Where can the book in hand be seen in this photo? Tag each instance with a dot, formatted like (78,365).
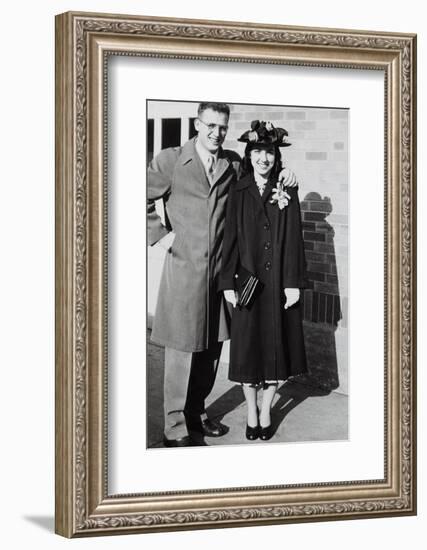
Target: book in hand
(246,283)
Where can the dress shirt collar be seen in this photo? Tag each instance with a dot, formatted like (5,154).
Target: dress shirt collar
(204,154)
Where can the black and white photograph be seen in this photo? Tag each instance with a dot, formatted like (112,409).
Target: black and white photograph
(244,211)
(213,236)
(247,273)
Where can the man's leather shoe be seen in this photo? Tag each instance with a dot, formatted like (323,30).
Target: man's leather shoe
(206,427)
(211,428)
(180,442)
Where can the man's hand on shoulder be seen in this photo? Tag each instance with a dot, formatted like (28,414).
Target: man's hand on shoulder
(288,178)
(167,241)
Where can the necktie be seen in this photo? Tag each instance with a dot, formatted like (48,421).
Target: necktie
(210,165)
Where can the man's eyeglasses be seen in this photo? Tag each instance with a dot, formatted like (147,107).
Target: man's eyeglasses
(212,127)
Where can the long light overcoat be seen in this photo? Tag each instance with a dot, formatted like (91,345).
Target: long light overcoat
(190,312)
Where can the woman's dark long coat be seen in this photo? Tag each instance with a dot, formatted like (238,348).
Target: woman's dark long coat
(266,340)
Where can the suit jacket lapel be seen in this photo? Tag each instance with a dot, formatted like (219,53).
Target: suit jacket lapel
(222,166)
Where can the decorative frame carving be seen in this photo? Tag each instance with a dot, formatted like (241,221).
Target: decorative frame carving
(83,42)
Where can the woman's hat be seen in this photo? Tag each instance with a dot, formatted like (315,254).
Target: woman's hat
(264,133)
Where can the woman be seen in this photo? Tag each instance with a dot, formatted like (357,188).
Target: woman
(263,269)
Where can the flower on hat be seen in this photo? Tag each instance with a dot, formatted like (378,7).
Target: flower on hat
(253,137)
(265,133)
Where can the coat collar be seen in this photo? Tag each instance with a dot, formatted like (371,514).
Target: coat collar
(189,156)
(244,183)
(248,183)
(188,152)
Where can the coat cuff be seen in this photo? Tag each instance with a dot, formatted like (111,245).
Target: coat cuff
(295,283)
(155,234)
(225,284)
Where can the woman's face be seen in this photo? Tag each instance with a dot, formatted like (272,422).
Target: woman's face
(262,160)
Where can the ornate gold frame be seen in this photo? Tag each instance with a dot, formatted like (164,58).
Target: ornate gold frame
(83,42)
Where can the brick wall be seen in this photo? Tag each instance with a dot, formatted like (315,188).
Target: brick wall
(318,156)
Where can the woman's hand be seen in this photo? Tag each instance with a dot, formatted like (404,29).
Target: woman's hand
(288,178)
(230,296)
(292,296)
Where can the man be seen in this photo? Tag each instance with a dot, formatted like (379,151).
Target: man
(191,318)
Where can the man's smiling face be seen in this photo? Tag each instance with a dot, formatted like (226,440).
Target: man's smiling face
(212,128)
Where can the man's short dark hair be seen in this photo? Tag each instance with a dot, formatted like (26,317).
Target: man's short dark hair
(217,107)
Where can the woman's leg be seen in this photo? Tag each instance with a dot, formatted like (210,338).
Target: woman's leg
(250,392)
(267,399)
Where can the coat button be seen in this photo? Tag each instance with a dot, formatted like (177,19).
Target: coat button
(267,266)
(267,245)
(266,226)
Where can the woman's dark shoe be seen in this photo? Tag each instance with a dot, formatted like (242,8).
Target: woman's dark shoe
(252,433)
(266,433)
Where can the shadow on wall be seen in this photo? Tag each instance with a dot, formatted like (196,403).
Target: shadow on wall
(321,300)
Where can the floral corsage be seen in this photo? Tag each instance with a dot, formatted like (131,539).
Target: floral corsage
(280,196)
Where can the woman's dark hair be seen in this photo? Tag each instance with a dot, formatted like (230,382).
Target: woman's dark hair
(247,167)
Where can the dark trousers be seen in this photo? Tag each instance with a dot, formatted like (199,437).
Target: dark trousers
(189,379)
